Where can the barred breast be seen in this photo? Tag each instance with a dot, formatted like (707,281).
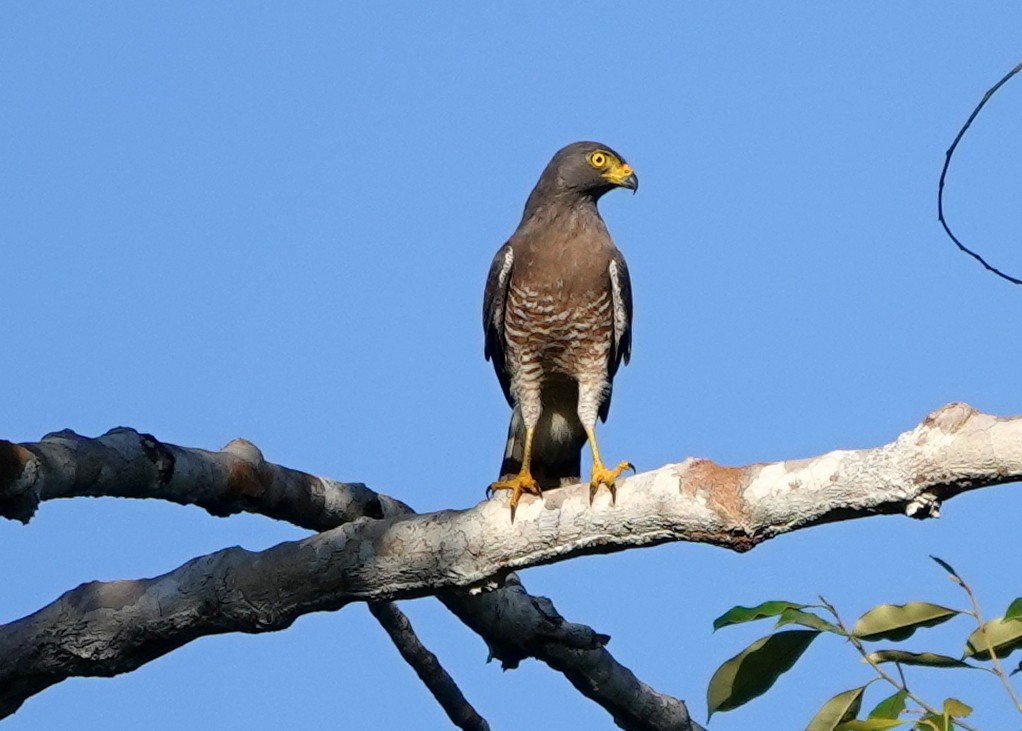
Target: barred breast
(550,334)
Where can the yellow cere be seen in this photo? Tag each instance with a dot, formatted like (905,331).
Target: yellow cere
(618,172)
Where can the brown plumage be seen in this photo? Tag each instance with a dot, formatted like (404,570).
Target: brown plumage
(557,312)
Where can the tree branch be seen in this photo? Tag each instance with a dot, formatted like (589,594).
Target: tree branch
(531,627)
(947,164)
(106,628)
(127,464)
(427,667)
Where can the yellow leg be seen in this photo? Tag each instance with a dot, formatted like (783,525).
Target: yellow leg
(523,481)
(601,475)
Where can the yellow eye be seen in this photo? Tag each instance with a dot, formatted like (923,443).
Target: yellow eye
(598,159)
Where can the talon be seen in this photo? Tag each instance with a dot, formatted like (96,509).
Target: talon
(522,482)
(602,476)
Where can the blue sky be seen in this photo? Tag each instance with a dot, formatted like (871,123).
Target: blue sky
(274,221)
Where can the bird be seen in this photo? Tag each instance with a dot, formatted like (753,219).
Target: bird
(557,316)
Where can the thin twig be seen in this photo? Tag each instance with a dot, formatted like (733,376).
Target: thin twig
(900,685)
(427,667)
(997,669)
(947,163)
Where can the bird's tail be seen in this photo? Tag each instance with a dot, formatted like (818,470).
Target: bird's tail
(556,447)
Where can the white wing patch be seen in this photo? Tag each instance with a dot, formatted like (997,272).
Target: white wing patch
(502,275)
(509,259)
(620,315)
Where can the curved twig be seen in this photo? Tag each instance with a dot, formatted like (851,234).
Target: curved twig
(947,163)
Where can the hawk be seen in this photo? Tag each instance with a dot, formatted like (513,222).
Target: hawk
(557,313)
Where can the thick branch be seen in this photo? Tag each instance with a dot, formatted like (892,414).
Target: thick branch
(128,464)
(125,463)
(120,625)
(531,627)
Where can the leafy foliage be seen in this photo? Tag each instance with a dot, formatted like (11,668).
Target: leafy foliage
(898,622)
(756,668)
(926,659)
(738,615)
(808,619)
(946,720)
(890,707)
(1001,635)
(838,710)
(751,672)
(871,724)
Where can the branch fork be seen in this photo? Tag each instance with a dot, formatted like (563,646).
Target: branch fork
(374,548)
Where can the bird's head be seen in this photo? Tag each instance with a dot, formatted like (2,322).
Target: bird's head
(589,168)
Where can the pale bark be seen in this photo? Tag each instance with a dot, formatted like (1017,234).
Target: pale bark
(125,463)
(105,628)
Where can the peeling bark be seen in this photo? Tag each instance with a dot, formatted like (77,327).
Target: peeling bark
(126,463)
(106,628)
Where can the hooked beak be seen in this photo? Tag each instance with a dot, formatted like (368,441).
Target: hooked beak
(622,175)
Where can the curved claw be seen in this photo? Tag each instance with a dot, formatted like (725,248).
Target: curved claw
(602,476)
(521,483)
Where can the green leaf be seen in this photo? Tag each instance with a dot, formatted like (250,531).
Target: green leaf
(899,621)
(737,615)
(890,707)
(808,619)
(928,659)
(870,724)
(953,708)
(947,567)
(1014,610)
(751,672)
(934,723)
(842,707)
(1003,635)
(956,709)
